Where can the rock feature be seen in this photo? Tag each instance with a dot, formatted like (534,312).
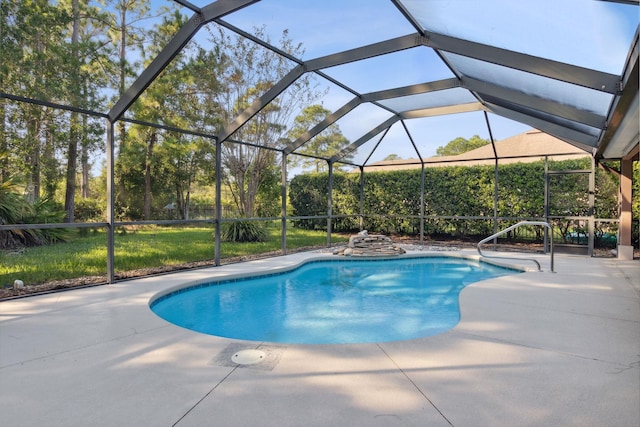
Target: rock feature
(369,245)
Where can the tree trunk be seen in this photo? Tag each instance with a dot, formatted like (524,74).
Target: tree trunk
(4,146)
(72,159)
(121,89)
(48,163)
(147,174)
(33,136)
(85,147)
(123,49)
(187,201)
(84,160)
(72,151)
(179,201)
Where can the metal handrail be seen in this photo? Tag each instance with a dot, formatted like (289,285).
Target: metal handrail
(506,230)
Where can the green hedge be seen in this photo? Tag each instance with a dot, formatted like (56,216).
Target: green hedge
(450,191)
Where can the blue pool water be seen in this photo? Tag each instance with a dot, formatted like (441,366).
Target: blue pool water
(341,301)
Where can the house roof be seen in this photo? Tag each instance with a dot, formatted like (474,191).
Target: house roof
(530,146)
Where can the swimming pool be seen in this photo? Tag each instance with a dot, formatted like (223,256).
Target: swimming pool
(336,301)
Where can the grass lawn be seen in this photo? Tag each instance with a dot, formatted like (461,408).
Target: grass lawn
(143,248)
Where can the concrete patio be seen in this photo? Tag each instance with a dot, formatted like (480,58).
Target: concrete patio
(535,349)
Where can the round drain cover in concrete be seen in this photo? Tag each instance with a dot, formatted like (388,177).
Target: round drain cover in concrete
(248,357)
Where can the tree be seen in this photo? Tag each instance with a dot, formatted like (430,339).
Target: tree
(46,49)
(16,209)
(10,54)
(246,71)
(461,145)
(33,39)
(163,165)
(324,145)
(124,33)
(184,161)
(84,75)
(160,103)
(74,125)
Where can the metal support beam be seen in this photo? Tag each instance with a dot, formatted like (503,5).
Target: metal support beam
(173,48)
(50,104)
(545,116)
(189,5)
(629,2)
(376,146)
(408,16)
(422,201)
(365,52)
(411,90)
(413,143)
(422,181)
(218,222)
(579,139)
(492,91)
(361,222)
(283,195)
(495,181)
(580,76)
(592,210)
(625,232)
(623,121)
(442,111)
(547,196)
(329,204)
(110,203)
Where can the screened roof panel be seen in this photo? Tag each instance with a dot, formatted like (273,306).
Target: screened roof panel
(577,138)
(396,137)
(282,111)
(197,3)
(381,145)
(439,98)
(333,97)
(325,27)
(357,123)
(557,65)
(591,34)
(566,67)
(429,133)
(532,84)
(588,130)
(402,68)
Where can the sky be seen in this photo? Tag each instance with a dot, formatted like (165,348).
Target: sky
(550,30)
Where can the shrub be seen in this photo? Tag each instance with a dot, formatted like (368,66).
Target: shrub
(243,231)
(391,198)
(42,211)
(16,209)
(89,210)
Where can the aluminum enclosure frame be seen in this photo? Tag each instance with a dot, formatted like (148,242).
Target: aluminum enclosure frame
(500,100)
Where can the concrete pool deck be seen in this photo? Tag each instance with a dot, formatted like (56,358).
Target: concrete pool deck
(534,349)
